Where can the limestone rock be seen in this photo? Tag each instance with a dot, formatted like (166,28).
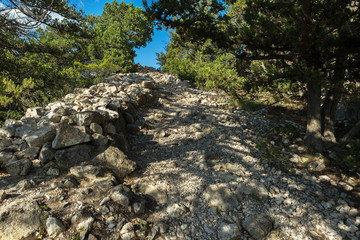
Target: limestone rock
(40,137)
(110,129)
(122,195)
(24,130)
(73,156)
(254,188)
(87,171)
(96,128)
(176,210)
(155,192)
(69,136)
(8,131)
(258,226)
(35,112)
(19,167)
(99,140)
(2,195)
(228,231)
(20,220)
(220,196)
(6,157)
(46,153)
(148,84)
(87,117)
(127,231)
(139,207)
(30,153)
(54,226)
(114,159)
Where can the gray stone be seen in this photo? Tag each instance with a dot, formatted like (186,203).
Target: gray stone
(30,120)
(35,112)
(40,137)
(254,188)
(227,231)
(5,143)
(6,157)
(148,84)
(96,128)
(161,227)
(46,153)
(176,210)
(87,171)
(53,117)
(2,195)
(88,117)
(258,226)
(220,196)
(53,172)
(121,195)
(73,156)
(25,184)
(110,129)
(19,167)
(24,130)
(69,136)
(114,159)
(139,207)
(8,131)
(29,153)
(54,226)
(99,140)
(20,220)
(127,231)
(155,192)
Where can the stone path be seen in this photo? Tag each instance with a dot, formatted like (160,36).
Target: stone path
(200,163)
(146,156)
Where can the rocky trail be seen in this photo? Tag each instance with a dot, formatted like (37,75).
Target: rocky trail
(191,170)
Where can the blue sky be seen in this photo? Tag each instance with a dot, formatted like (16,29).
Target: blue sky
(145,56)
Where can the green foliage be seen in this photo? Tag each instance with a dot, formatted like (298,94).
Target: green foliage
(40,65)
(201,62)
(351,156)
(287,130)
(120,28)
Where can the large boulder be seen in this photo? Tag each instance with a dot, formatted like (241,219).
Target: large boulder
(46,153)
(69,136)
(6,157)
(19,167)
(39,137)
(35,112)
(20,220)
(24,130)
(8,131)
(87,117)
(114,159)
(259,226)
(72,156)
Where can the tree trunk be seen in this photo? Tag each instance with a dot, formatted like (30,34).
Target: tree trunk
(332,100)
(328,111)
(313,137)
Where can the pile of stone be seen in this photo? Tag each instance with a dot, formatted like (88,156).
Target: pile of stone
(76,129)
(62,166)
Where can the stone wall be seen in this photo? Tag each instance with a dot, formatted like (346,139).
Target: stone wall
(77,128)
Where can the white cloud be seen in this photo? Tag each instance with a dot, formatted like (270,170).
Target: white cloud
(81,4)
